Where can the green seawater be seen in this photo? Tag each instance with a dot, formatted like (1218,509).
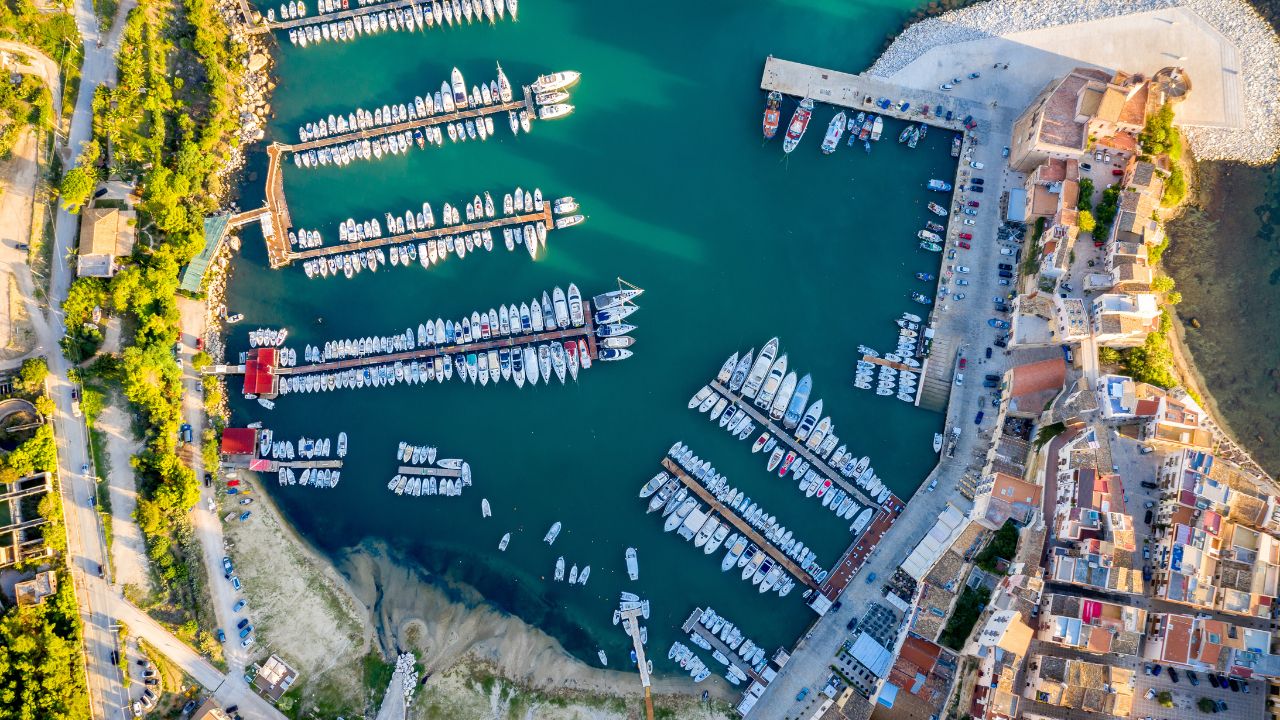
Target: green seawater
(733,242)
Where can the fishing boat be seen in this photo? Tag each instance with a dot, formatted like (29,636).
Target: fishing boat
(799,123)
(937,209)
(930,246)
(552,534)
(772,114)
(559,568)
(761,367)
(937,442)
(506,540)
(924,276)
(921,298)
(928,235)
(633,567)
(877,128)
(342,444)
(551,112)
(835,130)
(955,146)
(939,186)
(799,399)
(932,226)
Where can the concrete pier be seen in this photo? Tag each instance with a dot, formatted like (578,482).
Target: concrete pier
(543,216)
(634,616)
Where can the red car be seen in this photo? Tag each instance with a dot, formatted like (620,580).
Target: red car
(964,245)
(1117,172)
(966,236)
(973,203)
(963,362)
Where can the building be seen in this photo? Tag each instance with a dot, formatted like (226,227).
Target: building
(918,682)
(1090,625)
(21,525)
(1031,387)
(260,373)
(1001,648)
(274,678)
(1123,320)
(1080,685)
(1163,417)
(1001,496)
(210,710)
(105,234)
(1205,644)
(1215,542)
(1086,109)
(35,590)
(872,663)
(239,445)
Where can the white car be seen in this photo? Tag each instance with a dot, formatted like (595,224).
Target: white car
(961,281)
(962,269)
(969,221)
(959,378)
(1006,251)
(1097,155)
(976,165)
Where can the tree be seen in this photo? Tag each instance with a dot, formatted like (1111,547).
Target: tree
(1085,221)
(79,182)
(1173,298)
(1085,202)
(1159,136)
(31,376)
(1175,187)
(1162,284)
(1108,356)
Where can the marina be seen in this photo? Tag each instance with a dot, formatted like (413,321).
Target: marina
(694,625)
(410,15)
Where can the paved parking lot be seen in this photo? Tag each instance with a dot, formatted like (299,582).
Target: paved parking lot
(1185,695)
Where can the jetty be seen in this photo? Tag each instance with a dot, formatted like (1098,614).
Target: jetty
(274,215)
(348,14)
(788,440)
(693,625)
(267,465)
(741,525)
(543,216)
(634,615)
(421,471)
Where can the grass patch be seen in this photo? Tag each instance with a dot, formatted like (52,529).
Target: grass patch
(1003,546)
(377,673)
(964,617)
(106,12)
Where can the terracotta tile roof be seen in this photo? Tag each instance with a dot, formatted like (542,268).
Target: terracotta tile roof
(1177,638)
(1038,376)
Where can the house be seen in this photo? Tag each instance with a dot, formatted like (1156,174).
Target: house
(239,445)
(260,373)
(1001,648)
(210,710)
(1002,497)
(1080,685)
(1091,625)
(1207,644)
(105,234)
(918,682)
(35,590)
(1030,387)
(1124,319)
(274,678)
(1162,416)
(1086,108)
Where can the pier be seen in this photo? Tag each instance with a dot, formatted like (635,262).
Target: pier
(421,471)
(635,615)
(692,625)
(788,440)
(274,215)
(347,14)
(544,216)
(268,465)
(741,525)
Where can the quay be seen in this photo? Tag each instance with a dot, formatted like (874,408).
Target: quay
(544,217)
(692,625)
(635,615)
(787,439)
(436,471)
(705,495)
(274,215)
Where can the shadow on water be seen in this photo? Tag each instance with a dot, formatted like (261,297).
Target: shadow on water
(733,242)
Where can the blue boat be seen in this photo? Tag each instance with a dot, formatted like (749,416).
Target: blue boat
(926,277)
(939,186)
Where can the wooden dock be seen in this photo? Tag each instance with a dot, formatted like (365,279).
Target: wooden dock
(891,364)
(275,218)
(543,216)
(635,615)
(693,625)
(788,440)
(742,526)
(421,471)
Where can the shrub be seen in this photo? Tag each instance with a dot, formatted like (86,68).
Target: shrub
(1175,187)
(1085,221)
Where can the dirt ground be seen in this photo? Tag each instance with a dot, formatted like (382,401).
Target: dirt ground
(18,178)
(128,549)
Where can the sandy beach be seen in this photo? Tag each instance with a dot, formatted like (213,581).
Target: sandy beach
(479,661)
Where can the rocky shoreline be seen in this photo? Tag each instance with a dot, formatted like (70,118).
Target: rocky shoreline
(1257,143)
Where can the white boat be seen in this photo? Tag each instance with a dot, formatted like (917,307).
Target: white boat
(552,534)
(559,568)
(484,508)
(506,539)
(633,567)
(555,81)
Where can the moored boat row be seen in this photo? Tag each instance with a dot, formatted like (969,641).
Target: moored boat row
(415,16)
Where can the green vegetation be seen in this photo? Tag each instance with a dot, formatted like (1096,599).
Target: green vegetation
(378,672)
(1157,251)
(1160,137)
(55,34)
(79,182)
(106,12)
(1205,705)
(1165,698)
(1105,213)
(1175,187)
(1003,546)
(964,617)
(26,104)
(1162,284)
(1085,221)
(1152,362)
(84,336)
(1049,432)
(1085,201)
(41,664)
(1108,356)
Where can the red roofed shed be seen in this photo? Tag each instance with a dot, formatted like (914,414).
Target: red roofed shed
(259,373)
(239,441)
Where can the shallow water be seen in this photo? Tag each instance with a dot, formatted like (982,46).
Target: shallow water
(733,241)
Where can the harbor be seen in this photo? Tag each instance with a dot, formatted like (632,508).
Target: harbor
(330,23)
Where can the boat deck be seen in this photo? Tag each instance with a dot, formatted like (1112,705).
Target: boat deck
(586,332)
(543,216)
(691,625)
(789,441)
(738,523)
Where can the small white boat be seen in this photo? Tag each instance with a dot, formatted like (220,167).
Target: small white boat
(552,534)
(484,508)
(633,567)
(506,539)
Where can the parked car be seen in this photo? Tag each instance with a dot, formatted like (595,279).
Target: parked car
(1146,450)
(227,567)
(964,244)
(1235,686)
(1097,154)
(962,269)
(959,378)
(1004,266)
(966,236)
(115,657)
(244,632)
(973,203)
(990,383)
(184,432)
(246,642)
(1117,172)
(804,692)
(1005,274)
(975,188)
(1007,251)
(222,637)
(1147,518)
(1213,679)
(239,605)
(1005,152)
(976,165)
(977,419)
(1244,687)
(1219,706)
(1173,674)
(151,681)
(1154,669)
(977,181)
(235,582)
(964,362)
(871,578)
(988,353)
(997,323)
(970,221)
(245,515)
(961,282)
(1193,678)
(240,625)
(970,211)
(1149,485)
(1086,166)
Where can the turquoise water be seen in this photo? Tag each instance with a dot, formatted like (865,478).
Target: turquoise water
(733,242)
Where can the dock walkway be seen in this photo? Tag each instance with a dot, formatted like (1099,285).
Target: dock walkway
(734,519)
(328,17)
(543,216)
(692,625)
(275,465)
(421,471)
(788,440)
(635,615)
(524,103)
